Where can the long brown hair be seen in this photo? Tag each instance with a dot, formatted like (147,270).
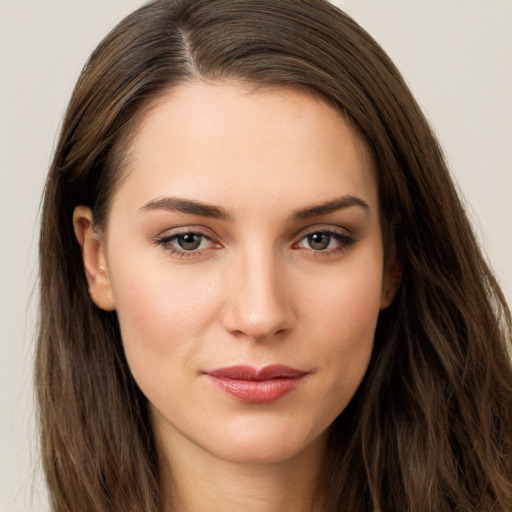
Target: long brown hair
(430,428)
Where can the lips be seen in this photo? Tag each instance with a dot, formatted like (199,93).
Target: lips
(256,386)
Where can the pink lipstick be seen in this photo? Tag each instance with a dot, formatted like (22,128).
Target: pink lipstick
(254,386)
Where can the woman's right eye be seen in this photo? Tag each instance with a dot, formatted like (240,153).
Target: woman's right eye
(189,241)
(186,244)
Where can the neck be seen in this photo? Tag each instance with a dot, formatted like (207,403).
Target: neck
(201,482)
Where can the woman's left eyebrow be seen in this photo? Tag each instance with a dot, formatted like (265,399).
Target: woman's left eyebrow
(331,206)
(187,206)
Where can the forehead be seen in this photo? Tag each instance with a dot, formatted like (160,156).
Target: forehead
(224,141)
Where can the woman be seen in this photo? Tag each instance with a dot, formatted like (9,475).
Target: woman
(259,289)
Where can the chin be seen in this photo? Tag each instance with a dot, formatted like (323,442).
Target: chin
(267,447)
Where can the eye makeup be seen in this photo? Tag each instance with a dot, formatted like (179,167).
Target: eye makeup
(321,241)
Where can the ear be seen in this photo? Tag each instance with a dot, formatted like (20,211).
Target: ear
(391,279)
(93,255)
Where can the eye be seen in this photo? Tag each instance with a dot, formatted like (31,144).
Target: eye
(186,244)
(319,241)
(328,241)
(189,241)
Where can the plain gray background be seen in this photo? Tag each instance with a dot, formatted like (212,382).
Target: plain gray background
(456,56)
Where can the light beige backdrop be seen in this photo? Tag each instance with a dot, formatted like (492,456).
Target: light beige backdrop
(455,54)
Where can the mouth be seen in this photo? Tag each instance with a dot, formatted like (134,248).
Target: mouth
(256,386)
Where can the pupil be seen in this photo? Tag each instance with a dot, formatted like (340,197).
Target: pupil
(190,241)
(319,241)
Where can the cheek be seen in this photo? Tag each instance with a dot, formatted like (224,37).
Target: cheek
(162,311)
(343,322)
(348,303)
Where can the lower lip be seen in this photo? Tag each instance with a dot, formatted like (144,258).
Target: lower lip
(256,391)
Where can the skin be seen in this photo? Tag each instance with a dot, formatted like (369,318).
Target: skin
(256,291)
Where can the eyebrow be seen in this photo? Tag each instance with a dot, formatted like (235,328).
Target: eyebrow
(187,206)
(339,203)
(216,212)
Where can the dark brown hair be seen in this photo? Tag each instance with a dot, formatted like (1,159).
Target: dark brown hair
(430,428)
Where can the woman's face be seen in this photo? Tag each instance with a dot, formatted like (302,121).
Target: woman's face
(245,262)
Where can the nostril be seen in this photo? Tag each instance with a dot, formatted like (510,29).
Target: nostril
(272,327)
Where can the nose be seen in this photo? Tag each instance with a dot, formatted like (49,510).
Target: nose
(259,305)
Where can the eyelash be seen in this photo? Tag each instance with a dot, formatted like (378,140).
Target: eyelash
(165,242)
(344,240)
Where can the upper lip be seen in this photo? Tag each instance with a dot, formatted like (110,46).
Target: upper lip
(245,372)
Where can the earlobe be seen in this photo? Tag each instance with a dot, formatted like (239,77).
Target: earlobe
(93,256)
